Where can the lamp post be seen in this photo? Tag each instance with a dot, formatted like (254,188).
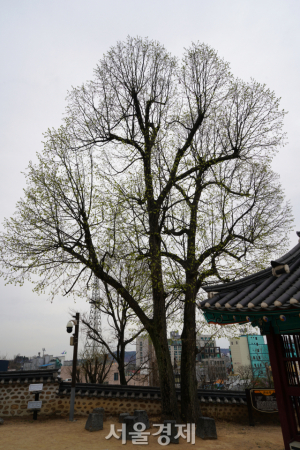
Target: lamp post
(74,342)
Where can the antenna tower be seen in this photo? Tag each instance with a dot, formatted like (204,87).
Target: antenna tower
(94,319)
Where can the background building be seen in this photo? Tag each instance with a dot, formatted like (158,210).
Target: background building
(3,365)
(133,379)
(144,350)
(146,360)
(175,348)
(44,362)
(207,347)
(211,367)
(250,350)
(211,371)
(205,343)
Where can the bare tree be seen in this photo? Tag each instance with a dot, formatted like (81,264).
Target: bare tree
(124,325)
(120,319)
(251,377)
(78,375)
(95,365)
(210,373)
(162,162)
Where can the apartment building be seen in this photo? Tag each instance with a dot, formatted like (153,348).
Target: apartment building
(250,350)
(207,348)
(145,350)
(145,353)
(205,343)
(175,348)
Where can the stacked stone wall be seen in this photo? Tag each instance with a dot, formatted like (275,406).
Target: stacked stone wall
(237,413)
(14,398)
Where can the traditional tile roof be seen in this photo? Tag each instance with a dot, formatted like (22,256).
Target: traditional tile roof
(29,376)
(277,287)
(143,393)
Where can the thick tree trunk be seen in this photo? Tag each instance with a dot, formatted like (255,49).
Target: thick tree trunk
(190,408)
(158,328)
(121,367)
(169,402)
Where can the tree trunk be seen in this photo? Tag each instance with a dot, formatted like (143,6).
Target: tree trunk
(158,327)
(169,402)
(190,408)
(121,367)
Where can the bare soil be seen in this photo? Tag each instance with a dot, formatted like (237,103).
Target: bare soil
(57,433)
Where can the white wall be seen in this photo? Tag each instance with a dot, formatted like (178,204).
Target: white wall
(239,352)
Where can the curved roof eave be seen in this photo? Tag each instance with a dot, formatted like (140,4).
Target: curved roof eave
(255,278)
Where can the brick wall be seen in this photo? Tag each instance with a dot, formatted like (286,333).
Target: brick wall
(14,398)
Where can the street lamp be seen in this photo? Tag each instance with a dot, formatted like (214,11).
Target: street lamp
(74,342)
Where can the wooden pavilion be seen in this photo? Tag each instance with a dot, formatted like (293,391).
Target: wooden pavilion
(269,299)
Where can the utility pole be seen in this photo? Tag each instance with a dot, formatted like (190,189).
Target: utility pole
(75,349)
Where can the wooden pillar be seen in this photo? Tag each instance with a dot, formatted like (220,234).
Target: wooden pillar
(285,407)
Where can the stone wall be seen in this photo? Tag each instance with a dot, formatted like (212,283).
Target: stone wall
(14,398)
(237,413)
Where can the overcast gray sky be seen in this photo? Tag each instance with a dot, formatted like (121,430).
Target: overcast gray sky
(48,46)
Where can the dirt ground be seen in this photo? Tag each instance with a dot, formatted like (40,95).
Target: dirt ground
(57,433)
